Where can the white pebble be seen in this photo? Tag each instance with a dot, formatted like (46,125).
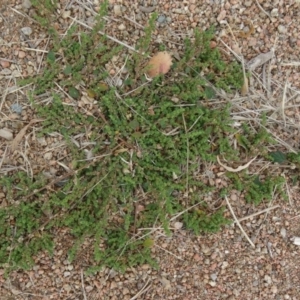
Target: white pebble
(117,10)
(66,14)
(6,134)
(281,29)
(122,27)
(26,4)
(26,30)
(66,274)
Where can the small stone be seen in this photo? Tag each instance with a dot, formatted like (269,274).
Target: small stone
(122,27)
(6,134)
(161,19)
(113,285)
(5,71)
(67,287)
(17,108)
(213,44)
(42,141)
(213,277)
(117,10)
(212,283)
(26,4)
(16,73)
(4,63)
(178,225)
(66,14)
(70,267)
(281,29)
(274,289)
(29,70)
(21,54)
(274,12)
(224,265)
(26,30)
(248,3)
(166,283)
(268,279)
(221,15)
(125,291)
(66,274)
(89,288)
(283,232)
(48,156)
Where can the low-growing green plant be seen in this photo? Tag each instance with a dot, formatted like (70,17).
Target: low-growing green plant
(148,141)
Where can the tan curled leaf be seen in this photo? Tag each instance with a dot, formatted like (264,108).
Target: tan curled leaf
(21,133)
(159,64)
(240,168)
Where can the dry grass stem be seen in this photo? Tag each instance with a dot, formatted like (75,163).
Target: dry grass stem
(82,285)
(283,102)
(144,289)
(261,8)
(169,252)
(257,213)
(238,223)
(108,36)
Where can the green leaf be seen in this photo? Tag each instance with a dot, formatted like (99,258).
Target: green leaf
(51,56)
(148,243)
(68,70)
(209,92)
(134,124)
(278,156)
(73,92)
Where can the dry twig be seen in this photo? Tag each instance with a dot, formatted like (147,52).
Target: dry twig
(238,223)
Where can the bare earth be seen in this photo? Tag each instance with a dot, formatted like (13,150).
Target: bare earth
(219,266)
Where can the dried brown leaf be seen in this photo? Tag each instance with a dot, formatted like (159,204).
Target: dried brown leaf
(159,64)
(238,169)
(21,133)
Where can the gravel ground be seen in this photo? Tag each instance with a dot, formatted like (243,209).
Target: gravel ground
(219,266)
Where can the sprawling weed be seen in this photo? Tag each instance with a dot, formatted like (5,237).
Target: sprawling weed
(149,141)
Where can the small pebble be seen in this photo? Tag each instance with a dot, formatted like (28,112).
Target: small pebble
(161,19)
(48,155)
(6,134)
(67,287)
(66,14)
(5,71)
(66,274)
(17,108)
(26,30)
(4,63)
(26,4)
(117,10)
(281,29)
(122,27)
(283,232)
(274,12)
(21,54)
(213,277)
